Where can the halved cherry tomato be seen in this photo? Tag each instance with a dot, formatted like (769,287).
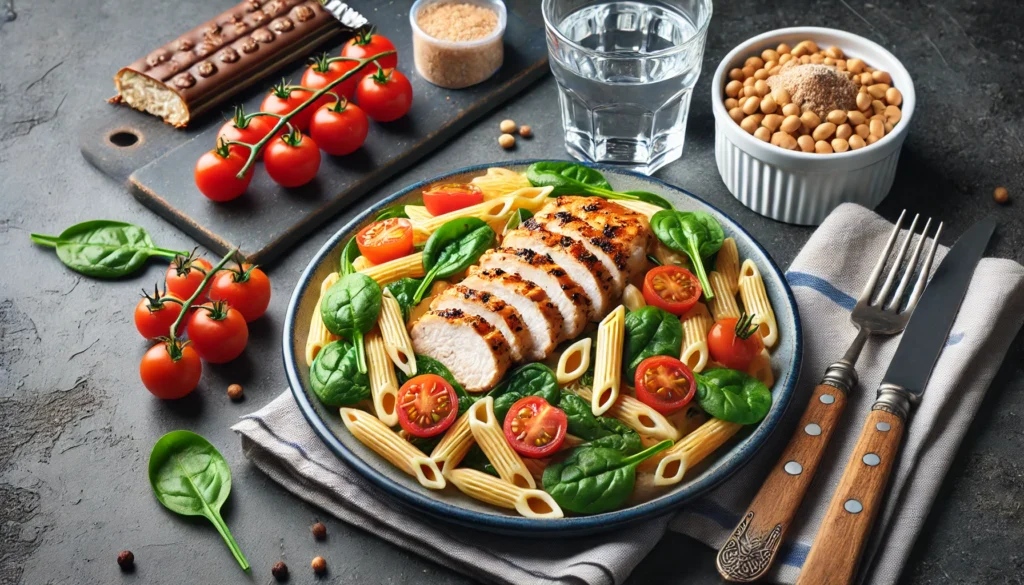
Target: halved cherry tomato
(735,343)
(671,288)
(427,405)
(534,428)
(448,197)
(184,276)
(664,383)
(170,370)
(368,44)
(386,240)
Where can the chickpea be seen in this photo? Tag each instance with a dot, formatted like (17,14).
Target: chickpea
(855,117)
(1001,195)
(841,64)
(817,59)
(822,147)
(800,50)
(878,90)
(731,103)
(840,145)
(810,120)
(837,117)
(823,131)
(750,91)
(844,131)
(526,132)
(507,141)
(772,122)
(877,106)
(737,114)
(856,142)
(877,128)
(768,104)
(790,124)
(893,114)
(888,126)
(785,58)
(781,97)
(786,141)
(829,61)
(879,117)
(881,77)
(805,60)
(834,52)
(748,70)
(871,139)
(775,70)
(855,65)
(893,96)
(811,46)
(770,64)
(732,89)
(762,87)
(769,55)
(763,133)
(862,130)
(863,102)
(806,143)
(751,105)
(749,82)
(761,74)
(865,78)
(783,49)
(509,126)
(755,61)
(750,123)
(736,74)
(790,109)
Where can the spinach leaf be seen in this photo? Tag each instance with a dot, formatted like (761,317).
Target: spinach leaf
(428,365)
(534,379)
(733,396)
(103,248)
(350,308)
(190,477)
(648,197)
(592,480)
(650,331)
(335,375)
(599,431)
(476,459)
(452,248)
(568,178)
(694,233)
(516,219)
(404,289)
(348,254)
(393,211)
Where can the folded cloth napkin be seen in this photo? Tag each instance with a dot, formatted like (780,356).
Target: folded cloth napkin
(826,277)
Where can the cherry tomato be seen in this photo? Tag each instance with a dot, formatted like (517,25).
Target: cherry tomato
(664,383)
(427,405)
(534,428)
(170,370)
(216,171)
(385,240)
(154,317)
(249,130)
(339,128)
(671,288)
(442,199)
(184,276)
(735,343)
(246,289)
(282,101)
(218,332)
(385,95)
(292,160)
(323,72)
(369,44)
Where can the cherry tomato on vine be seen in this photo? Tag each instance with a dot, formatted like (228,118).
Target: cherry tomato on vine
(368,44)
(386,240)
(216,173)
(385,96)
(664,383)
(671,288)
(427,405)
(339,128)
(292,160)
(246,289)
(170,370)
(323,71)
(250,130)
(534,428)
(735,343)
(184,276)
(283,100)
(154,315)
(218,332)
(448,197)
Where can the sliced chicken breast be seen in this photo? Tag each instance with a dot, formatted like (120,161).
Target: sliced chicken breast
(540,315)
(582,266)
(571,300)
(474,351)
(501,315)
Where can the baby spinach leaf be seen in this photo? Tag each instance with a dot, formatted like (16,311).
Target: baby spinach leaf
(335,377)
(694,233)
(404,289)
(534,379)
(348,254)
(733,396)
(350,308)
(650,331)
(516,219)
(452,248)
(568,178)
(190,477)
(598,431)
(476,459)
(648,197)
(592,480)
(103,248)
(393,211)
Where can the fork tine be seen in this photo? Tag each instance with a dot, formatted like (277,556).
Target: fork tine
(897,296)
(926,268)
(884,293)
(870,286)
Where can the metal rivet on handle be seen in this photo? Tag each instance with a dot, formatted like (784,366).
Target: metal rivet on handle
(812,430)
(883,426)
(853,506)
(827,399)
(793,468)
(872,459)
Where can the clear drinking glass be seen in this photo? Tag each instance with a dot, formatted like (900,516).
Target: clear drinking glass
(625,72)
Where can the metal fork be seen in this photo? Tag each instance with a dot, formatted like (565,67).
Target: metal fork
(751,549)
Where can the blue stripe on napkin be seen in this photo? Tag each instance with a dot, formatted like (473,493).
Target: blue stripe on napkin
(823,286)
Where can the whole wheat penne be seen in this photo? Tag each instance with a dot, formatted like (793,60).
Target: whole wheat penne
(727,263)
(396,337)
(611,333)
(756,303)
(723,306)
(529,502)
(318,335)
(489,435)
(377,436)
(636,415)
(454,445)
(692,449)
(410,266)
(383,382)
(696,324)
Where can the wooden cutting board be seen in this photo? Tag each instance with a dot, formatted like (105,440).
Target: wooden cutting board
(157,161)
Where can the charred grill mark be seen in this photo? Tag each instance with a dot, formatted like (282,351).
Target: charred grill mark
(591,207)
(451,313)
(557,272)
(566,241)
(486,297)
(526,254)
(531,224)
(609,230)
(563,217)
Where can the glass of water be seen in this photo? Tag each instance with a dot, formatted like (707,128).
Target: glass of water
(625,72)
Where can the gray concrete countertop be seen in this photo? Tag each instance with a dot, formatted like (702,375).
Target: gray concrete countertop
(76,426)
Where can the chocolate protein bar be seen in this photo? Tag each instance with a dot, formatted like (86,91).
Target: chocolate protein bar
(212,62)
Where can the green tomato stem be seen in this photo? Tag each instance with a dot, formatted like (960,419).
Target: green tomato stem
(188,302)
(424,286)
(698,266)
(222,528)
(647,453)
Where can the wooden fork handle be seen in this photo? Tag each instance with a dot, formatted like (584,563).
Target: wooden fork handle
(844,531)
(752,547)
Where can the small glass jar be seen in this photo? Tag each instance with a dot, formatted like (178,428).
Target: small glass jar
(458,64)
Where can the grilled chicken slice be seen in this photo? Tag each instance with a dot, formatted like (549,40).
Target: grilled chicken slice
(501,315)
(470,347)
(618,236)
(540,315)
(582,266)
(571,300)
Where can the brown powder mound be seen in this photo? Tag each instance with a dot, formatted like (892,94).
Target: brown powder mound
(818,88)
(458,22)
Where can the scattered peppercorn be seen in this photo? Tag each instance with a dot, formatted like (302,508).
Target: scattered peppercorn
(507,141)
(525,131)
(1001,195)
(319,565)
(507,126)
(319,531)
(235,392)
(126,560)
(280,571)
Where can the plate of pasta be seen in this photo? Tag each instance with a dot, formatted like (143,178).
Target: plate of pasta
(543,346)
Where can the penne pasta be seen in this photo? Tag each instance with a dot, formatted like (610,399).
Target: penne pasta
(611,333)
(531,198)
(318,335)
(498,182)
(529,502)
(696,324)
(637,416)
(692,449)
(756,303)
(454,444)
(377,436)
(761,368)
(396,337)
(727,263)
(383,382)
(361,263)
(410,266)
(723,306)
(417,213)
(495,212)
(632,298)
(487,433)
(643,207)
(574,361)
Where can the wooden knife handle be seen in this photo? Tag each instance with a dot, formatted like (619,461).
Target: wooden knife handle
(753,545)
(844,531)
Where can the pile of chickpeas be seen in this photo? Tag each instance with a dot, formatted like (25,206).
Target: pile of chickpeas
(772,117)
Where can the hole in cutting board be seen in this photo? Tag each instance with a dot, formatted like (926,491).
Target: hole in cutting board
(123,138)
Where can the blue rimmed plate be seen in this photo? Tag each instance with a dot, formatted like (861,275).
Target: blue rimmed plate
(452,505)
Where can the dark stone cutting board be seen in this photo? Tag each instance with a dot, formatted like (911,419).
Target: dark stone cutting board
(157,161)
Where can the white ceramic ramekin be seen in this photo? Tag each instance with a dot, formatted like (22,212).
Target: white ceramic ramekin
(799,187)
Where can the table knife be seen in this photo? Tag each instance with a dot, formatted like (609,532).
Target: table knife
(835,554)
